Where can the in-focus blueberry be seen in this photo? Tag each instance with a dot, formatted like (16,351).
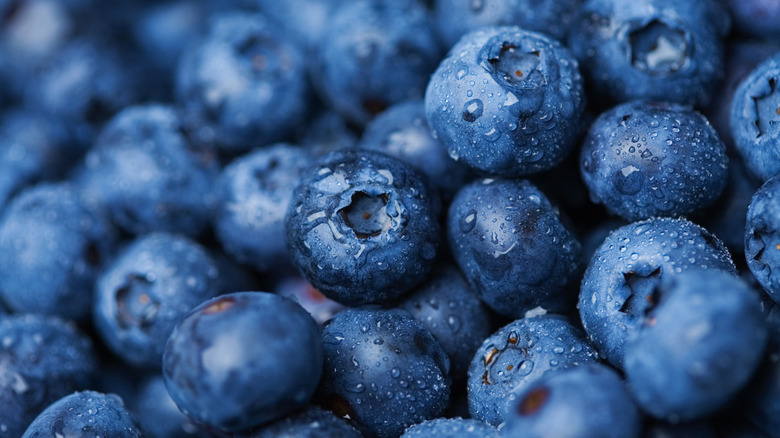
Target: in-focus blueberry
(85,415)
(243,359)
(587,401)
(762,237)
(362,226)
(506,101)
(645,159)
(146,290)
(518,354)
(618,284)
(254,193)
(312,422)
(755,119)
(451,428)
(383,370)
(53,248)
(511,246)
(699,342)
(243,86)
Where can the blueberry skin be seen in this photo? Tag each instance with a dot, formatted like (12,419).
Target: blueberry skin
(42,358)
(255,191)
(762,237)
(451,428)
(402,131)
(664,50)
(511,246)
(454,18)
(515,356)
(587,401)
(243,86)
(629,265)
(384,370)
(506,101)
(645,159)
(758,18)
(372,54)
(54,247)
(446,306)
(755,124)
(303,20)
(146,174)
(700,341)
(87,414)
(362,226)
(313,422)
(243,359)
(146,290)
(158,415)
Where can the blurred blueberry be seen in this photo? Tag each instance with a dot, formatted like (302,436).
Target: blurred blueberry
(312,422)
(451,428)
(320,307)
(158,415)
(84,415)
(759,18)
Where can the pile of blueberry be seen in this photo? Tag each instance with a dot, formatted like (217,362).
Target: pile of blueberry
(386,218)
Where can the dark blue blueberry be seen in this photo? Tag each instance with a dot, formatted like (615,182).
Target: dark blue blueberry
(146,174)
(302,292)
(762,237)
(755,118)
(158,415)
(595,237)
(693,429)
(506,101)
(383,370)
(33,147)
(454,18)
(373,54)
(83,85)
(41,360)
(445,305)
(313,422)
(699,342)
(645,159)
(665,50)
(402,131)
(146,290)
(617,288)
(517,355)
(53,248)
(451,428)
(761,401)
(254,193)
(327,132)
(303,20)
(759,18)
(243,86)
(85,414)
(587,401)
(511,246)
(243,359)
(362,226)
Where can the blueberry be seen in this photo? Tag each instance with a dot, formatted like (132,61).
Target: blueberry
(515,356)
(584,401)
(759,18)
(54,247)
(512,247)
(327,132)
(158,415)
(362,226)
(41,359)
(372,54)
(665,50)
(451,428)
(383,370)
(144,292)
(320,307)
(243,359)
(305,21)
(617,288)
(254,193)
(87,414)
(147,175)
(762,237)
(645,159)
(312,422)
(696,346)
(506,101)
(446,306)
(243,86)
(755,118)
(402,131)
(457,17)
